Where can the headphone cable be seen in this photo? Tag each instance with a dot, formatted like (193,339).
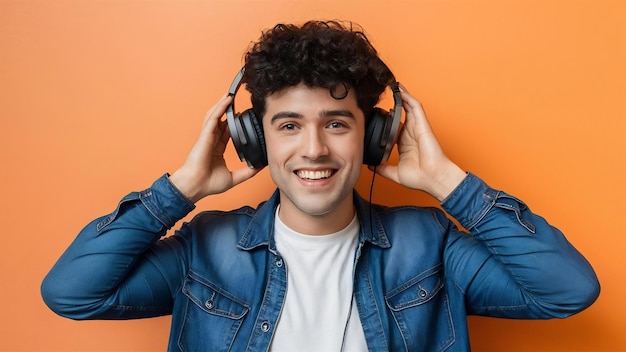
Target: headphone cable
(370,200)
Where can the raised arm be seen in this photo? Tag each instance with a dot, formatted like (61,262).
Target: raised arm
(422,164)
(514,264)
(117,267)
(204,172)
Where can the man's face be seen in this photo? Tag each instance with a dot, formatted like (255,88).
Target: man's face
(315,152)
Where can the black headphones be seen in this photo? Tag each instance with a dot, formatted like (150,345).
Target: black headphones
(246,131)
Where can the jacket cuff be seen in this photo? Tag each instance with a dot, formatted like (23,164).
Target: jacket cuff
(165,202)
(470,201)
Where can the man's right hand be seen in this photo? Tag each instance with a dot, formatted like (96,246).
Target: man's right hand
(204,172)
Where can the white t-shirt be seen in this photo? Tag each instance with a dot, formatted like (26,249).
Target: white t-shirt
(319,313)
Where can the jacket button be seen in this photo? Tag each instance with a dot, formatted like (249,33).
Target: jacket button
(208,304)
(265,326)
(279,263)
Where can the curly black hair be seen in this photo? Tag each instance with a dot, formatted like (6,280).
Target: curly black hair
(326,54)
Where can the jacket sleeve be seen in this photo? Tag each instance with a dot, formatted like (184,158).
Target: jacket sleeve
(117,268)
(514,264)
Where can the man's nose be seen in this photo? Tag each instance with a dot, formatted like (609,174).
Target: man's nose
(314,145)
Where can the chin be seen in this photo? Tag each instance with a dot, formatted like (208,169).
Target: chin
(321,204)
(316,209)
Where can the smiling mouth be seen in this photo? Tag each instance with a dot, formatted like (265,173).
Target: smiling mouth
(314,174)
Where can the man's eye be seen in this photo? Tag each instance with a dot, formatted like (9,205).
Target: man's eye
(288,126)
(336,124)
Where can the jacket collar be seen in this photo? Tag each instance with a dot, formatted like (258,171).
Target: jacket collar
(260,230)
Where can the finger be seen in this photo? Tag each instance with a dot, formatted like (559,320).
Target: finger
(218,110)
(415,115)
(411,104)
(212,125)
(224,132)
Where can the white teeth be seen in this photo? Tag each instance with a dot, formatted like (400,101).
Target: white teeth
(314,175)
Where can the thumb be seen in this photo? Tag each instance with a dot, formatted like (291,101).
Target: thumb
(386,171)
(242,174)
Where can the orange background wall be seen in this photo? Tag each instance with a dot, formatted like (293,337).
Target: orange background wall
(99,98)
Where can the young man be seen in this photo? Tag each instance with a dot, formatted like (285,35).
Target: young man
(316,267)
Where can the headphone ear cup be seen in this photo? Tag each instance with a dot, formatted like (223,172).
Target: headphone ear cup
(245,130)
(374,146)
(260,159)
(252,146)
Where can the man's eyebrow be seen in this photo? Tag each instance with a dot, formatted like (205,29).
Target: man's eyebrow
(330,113)
(324,113)
(286,115)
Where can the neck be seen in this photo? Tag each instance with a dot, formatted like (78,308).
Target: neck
(319,224)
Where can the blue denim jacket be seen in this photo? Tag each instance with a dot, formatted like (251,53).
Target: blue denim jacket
(416,275)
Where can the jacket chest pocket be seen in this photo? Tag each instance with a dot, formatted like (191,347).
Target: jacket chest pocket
(421,310)
(212,316)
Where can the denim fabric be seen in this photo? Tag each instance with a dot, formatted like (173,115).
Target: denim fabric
(416,275)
